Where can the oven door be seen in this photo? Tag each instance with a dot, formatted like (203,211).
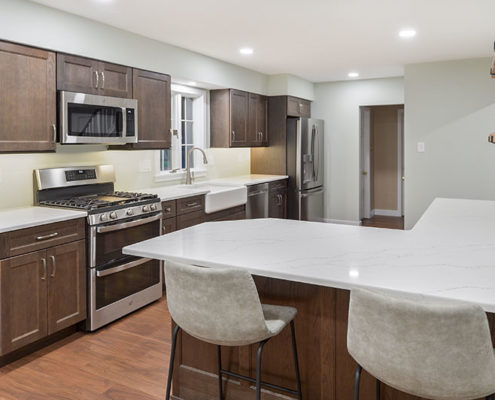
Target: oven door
(97,119)
(118,283)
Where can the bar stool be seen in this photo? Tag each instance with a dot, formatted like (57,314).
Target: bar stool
(222,307)
(432,349)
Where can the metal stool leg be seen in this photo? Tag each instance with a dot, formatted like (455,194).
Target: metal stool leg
(489,397)
(172,358)
(258,369)
(357,382)
(220,386)
(378,390)
(296,361)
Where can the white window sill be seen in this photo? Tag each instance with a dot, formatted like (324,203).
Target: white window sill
(166,176)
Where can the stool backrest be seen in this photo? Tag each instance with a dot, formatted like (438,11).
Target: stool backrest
(427,348)
(219,306)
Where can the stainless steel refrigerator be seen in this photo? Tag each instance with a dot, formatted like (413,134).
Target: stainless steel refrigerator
(305,168)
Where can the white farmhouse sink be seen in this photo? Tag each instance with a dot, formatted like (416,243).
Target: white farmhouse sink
(220,197)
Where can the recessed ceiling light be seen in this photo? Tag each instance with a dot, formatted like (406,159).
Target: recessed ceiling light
(353,74)
(246,50)
(407,33)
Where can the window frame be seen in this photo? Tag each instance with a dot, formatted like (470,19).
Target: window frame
(201,112)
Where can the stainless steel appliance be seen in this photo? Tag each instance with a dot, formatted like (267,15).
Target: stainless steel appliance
(88,118)
(305,169)
(257,201)
(117,284)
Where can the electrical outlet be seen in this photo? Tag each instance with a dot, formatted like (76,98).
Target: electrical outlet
(145,166)
(421,147)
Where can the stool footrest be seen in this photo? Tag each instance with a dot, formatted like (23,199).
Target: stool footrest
(252,380)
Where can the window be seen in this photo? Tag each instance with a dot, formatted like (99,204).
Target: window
(189,125)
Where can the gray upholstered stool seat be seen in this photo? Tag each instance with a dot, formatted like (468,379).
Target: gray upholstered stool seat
(433,349)
(222,307)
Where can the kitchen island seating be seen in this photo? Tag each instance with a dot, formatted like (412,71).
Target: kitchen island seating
(222,307)
(433,349)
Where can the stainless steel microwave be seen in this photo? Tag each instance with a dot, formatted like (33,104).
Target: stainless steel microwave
(88,118)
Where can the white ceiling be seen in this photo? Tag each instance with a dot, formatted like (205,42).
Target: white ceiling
(319,40)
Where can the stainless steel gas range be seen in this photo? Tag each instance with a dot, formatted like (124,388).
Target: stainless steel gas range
(117,284)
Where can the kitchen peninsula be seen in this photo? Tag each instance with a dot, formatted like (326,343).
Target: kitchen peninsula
(448,254)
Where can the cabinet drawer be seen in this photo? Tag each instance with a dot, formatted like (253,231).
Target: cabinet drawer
(277,185)
(190,219)
(190,204)
(169,209)
(41,237)
(169,225)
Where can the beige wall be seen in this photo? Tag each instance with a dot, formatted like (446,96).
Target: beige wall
(450,106)
(384,157)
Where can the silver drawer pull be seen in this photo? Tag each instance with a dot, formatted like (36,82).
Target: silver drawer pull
(121,268)
(193,204)
(167,209)
(45,237)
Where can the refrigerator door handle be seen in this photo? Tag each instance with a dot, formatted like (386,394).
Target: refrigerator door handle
(316,159)
(313,137)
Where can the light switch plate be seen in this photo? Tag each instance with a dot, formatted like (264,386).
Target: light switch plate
(421,147)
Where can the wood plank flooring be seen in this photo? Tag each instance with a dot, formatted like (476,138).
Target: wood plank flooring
(379,221)
(127,360)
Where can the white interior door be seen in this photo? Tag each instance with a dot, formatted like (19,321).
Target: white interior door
(365,162)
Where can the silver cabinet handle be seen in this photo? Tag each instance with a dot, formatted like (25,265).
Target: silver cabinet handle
(192,204)
(54,265)
(45,237)
(233,135)
(97,79)
(103,80)
(43,260)
(122,267)
(261,133)
(54,128)
(167,209)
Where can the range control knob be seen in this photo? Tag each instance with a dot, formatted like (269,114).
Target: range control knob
(130,211)
(113,215)
(153,207)
(146,209)
(103,217)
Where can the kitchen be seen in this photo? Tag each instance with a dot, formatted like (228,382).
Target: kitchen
(247,123)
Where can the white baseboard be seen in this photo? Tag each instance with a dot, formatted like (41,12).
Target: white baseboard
(387,213)
(341,221)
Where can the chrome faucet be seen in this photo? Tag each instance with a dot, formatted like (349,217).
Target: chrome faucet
(188,164)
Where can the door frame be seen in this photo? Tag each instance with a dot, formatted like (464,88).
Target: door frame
(400,161)
(365,163)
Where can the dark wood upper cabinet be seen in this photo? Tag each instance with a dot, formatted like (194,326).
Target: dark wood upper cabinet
(238,119)
(152,91)
(297,107)
(23,297)
(66,285)
(27,99)
(85,75)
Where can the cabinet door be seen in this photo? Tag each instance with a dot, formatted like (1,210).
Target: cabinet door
(66,285)
(278,204)
(262,119)
(305,108)
(77,74)
(152,91)
(293,108)
(23,296)
(27,99)
(115,80)
(239,105)
(169,225)
(253,134)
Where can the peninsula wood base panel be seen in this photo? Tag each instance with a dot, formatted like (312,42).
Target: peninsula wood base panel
(327,369)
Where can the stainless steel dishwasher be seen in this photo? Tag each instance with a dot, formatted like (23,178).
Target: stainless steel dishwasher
(257,201)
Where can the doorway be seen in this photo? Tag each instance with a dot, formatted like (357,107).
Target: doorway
(382,166)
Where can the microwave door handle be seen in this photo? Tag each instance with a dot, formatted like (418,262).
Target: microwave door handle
(124,122)
(131,224)
(123,267)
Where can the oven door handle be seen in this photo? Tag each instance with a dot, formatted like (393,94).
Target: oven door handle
(111,228)
(122,267)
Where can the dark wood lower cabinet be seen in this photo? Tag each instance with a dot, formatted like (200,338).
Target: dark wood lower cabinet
(66,285)
(169,225)
(327,369)
(41,293)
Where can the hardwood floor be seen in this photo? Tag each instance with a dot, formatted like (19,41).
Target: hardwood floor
(127,360)
(379,221)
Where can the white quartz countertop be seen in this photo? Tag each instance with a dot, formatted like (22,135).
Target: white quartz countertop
(450,253)
(27,217)
(248,180)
